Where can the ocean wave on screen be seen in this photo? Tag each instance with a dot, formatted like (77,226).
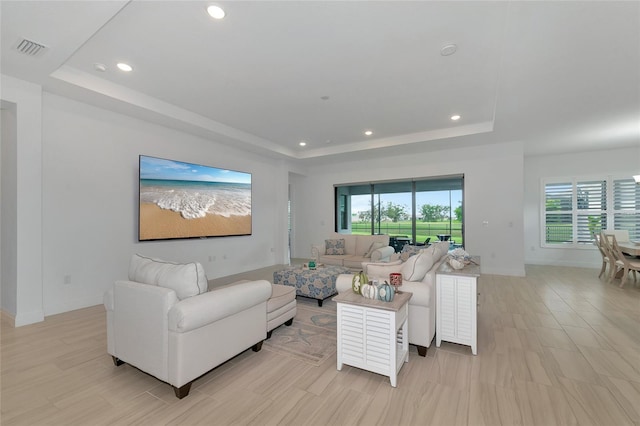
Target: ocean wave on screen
(192,204)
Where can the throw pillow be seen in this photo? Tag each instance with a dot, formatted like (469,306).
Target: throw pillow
(442,248)
(408,251)
(416,267)
(373,247)
(186,279)
(334,246)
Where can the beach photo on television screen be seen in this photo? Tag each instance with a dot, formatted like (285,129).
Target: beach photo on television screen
(185,200)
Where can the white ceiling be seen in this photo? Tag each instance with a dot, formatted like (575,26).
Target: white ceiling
(556,76)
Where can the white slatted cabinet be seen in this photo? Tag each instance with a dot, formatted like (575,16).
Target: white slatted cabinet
(457,305)
(373,335)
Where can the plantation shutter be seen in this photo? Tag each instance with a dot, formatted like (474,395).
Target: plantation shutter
(591,200)
(575,210)
(558,213)
(626,207)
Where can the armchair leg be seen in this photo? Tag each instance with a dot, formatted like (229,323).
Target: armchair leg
(182,391)
(117,361)
(269,334)
(288,323)
(257,346)
(422,350)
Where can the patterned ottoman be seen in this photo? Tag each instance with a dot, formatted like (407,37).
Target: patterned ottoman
(317,283)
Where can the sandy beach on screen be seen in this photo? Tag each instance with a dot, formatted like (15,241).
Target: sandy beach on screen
(157,223)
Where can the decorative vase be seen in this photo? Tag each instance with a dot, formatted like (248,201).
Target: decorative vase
(395,279)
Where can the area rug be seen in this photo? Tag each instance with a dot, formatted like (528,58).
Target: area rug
(312,336)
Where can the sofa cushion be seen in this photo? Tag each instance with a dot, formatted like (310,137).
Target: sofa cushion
(350,242)
(281,295)
(186,279)
(408,251)
(363,243)
(334,246)
(441,248)
(373,247)
(416,267)
(336,259)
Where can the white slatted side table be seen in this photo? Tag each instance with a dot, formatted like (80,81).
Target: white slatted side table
(373,335)
(457,304)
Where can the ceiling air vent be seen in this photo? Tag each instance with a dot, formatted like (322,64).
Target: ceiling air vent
(30,48)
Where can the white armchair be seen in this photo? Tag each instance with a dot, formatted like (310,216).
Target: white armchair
(177,341)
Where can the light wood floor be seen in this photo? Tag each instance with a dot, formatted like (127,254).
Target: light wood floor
(557,347)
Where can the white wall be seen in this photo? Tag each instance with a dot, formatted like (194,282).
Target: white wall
(22,247)
(8,209)
(493,194)
(615,162)
(90,190)
(76,202)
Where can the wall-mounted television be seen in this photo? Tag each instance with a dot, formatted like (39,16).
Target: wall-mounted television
(185,200)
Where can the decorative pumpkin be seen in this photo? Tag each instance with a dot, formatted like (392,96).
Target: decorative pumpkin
(386,292)
(370,291)
(358,281)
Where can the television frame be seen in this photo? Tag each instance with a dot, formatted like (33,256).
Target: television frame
(182,200)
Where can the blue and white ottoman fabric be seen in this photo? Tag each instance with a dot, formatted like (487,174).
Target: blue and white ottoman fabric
(318,283)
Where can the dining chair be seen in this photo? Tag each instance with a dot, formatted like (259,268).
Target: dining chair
(606,260)
(628,263)
(426,242)
(615,265)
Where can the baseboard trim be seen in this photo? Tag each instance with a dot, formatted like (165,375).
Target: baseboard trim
(74,305)
(28,318)
(8,318)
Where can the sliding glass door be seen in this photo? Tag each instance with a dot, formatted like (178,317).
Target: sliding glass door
(409,211)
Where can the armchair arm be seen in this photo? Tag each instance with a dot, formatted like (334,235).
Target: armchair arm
(138,325)
(382,254)
(205,308)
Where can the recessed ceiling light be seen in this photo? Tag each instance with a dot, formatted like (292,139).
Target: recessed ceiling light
(215,12)
(448,49)
(302,143)
(455,117)
(368,132)
(125,67)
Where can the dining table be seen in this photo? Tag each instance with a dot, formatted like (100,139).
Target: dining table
(630,247)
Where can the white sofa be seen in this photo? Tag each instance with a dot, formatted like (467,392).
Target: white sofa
(164,321)
(356,249)
(419,277)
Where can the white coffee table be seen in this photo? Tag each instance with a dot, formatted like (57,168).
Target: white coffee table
(373,335)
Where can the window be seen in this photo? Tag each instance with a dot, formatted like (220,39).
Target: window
(576,209)
(407,210)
